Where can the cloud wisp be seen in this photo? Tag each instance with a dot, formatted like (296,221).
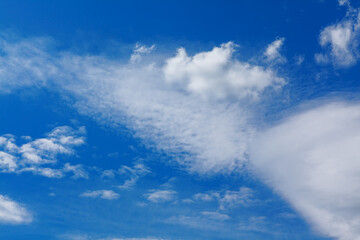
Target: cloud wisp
(160,195)
(104,194)
(12,212)
(228,199)
(272,52)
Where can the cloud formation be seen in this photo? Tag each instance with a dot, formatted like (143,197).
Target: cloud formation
(132,174)
(228,199)
(104,194)
(341,40)
(193,108)
(312,160)
(272,52)
(158,195)
(40,155)
(12,212)
(216,75)
(140,50)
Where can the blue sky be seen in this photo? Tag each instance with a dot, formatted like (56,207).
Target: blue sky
(139,120)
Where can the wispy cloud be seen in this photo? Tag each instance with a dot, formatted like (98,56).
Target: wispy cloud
(340,40)
(12,212)
(228,199)
(158,195)
(216,215)
(272,52)
(140,50)
(257,224)
(104,194)
(133,174)
(87,237)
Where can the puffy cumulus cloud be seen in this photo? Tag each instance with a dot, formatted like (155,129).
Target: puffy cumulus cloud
(12,212)
(216,75)
(158,195)
(37,155)
(104,194)
(193,108)
(312,160)
(341,40)
(272,52)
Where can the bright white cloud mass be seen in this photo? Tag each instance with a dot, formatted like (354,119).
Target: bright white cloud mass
(312,159)
(215,75)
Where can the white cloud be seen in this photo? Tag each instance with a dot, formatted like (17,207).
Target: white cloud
(37,155)
(257,224)
(43,171)
(133,174)
(243,197)
(216,215)
(76,170)
(172,106)
(312,160)
(207,197)
(228,199)
(344,2)
(272,52)
(27,61)
(216,75)
(104,194)
(7,162)
(341,40)
(157,195)
(205,136)
(139,51)
(299,59)
(60,140)
(12,213)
